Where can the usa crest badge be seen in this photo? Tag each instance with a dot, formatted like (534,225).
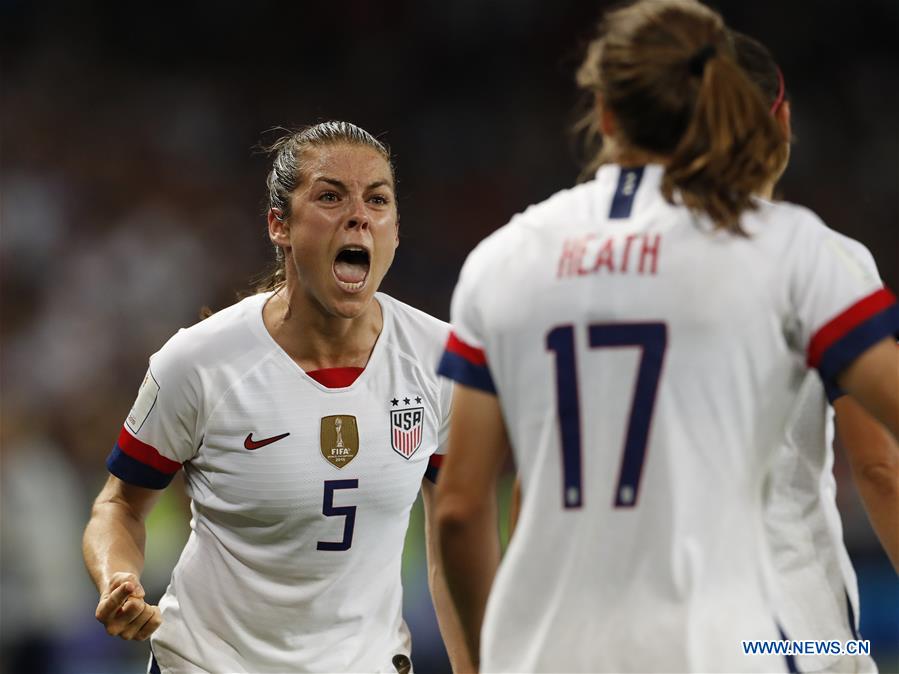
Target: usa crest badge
(339,439)
(406,430)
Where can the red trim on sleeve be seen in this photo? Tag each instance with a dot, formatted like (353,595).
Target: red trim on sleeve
(336,377)
(471,354)
(436,460)
(140,451)
(854,316)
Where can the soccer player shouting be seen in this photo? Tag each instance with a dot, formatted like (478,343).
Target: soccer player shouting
(306,418)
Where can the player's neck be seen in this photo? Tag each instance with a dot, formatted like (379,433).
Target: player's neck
(317,340)
(767,192)
(619,153)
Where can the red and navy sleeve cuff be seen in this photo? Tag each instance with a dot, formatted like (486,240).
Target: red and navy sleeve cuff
(433,468)
(836,345)
(138,463)
(466,364)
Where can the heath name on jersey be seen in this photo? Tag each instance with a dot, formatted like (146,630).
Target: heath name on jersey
(300,493)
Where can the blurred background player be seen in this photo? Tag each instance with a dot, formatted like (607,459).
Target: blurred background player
(306,418)
(817,593)
(803,521)
(667,307)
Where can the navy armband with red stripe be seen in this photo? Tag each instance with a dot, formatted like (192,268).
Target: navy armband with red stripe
(433,468)
(843,339)
(466,364)
(138,463)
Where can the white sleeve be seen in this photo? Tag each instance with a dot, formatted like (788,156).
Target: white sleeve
(841,305)
(860,253)
(160,431)
(464,359)
(445,396)
(446,406)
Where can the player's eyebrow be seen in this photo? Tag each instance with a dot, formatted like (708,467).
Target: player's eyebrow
(341,186)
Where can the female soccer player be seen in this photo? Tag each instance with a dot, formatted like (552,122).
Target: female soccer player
(817,591)
(648,378)
(305,419)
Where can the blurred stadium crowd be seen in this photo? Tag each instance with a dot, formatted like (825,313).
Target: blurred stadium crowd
(130,197)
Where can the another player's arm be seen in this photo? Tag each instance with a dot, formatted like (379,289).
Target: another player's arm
(874,458)
(447,619)
(466,505)
(113,547)
(873,380)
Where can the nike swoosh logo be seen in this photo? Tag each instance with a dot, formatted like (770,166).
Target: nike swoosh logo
(250,443)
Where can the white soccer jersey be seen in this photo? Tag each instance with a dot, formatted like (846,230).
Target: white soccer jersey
(646,366)
(300,493)
(817,590)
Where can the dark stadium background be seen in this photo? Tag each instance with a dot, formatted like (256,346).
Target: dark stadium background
(131,197)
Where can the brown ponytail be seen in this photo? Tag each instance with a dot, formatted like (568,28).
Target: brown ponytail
(729,150)
(666,70)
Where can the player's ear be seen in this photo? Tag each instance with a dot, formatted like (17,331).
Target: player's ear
(396,241)
(607,124)
(278,227)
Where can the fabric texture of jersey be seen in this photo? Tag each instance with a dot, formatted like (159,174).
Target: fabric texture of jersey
(646,366)
(817,590)
(300,493)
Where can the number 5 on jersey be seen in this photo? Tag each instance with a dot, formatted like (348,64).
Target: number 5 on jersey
(348,512)
(652,338)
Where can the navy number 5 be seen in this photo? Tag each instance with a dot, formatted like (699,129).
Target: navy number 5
(349,512)
(653,339)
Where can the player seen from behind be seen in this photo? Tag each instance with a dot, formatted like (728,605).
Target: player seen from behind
(648,380)
(817,594)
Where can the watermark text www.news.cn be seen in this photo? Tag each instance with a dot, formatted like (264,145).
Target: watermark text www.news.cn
(807,647)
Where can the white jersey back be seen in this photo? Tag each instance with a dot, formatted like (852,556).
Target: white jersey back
(300,493)
(817,590)
(646,366)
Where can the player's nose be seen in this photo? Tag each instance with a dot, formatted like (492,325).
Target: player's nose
(357,218)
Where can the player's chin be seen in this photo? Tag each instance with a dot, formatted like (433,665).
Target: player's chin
(352,304)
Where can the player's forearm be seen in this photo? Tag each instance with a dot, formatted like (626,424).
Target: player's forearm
(471,552)
(447,620)
(874,459)
(113,542)
(878,486)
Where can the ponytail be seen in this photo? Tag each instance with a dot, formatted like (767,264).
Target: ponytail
(275,277)
(666,70)
(730,148)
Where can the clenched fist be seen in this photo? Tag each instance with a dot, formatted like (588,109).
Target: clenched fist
(123,611)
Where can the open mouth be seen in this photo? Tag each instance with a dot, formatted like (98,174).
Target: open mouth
(351,268)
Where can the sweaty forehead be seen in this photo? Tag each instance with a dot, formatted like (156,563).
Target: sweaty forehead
(347,163)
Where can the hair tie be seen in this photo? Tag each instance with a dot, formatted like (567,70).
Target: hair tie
(781,91)
(697,62)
